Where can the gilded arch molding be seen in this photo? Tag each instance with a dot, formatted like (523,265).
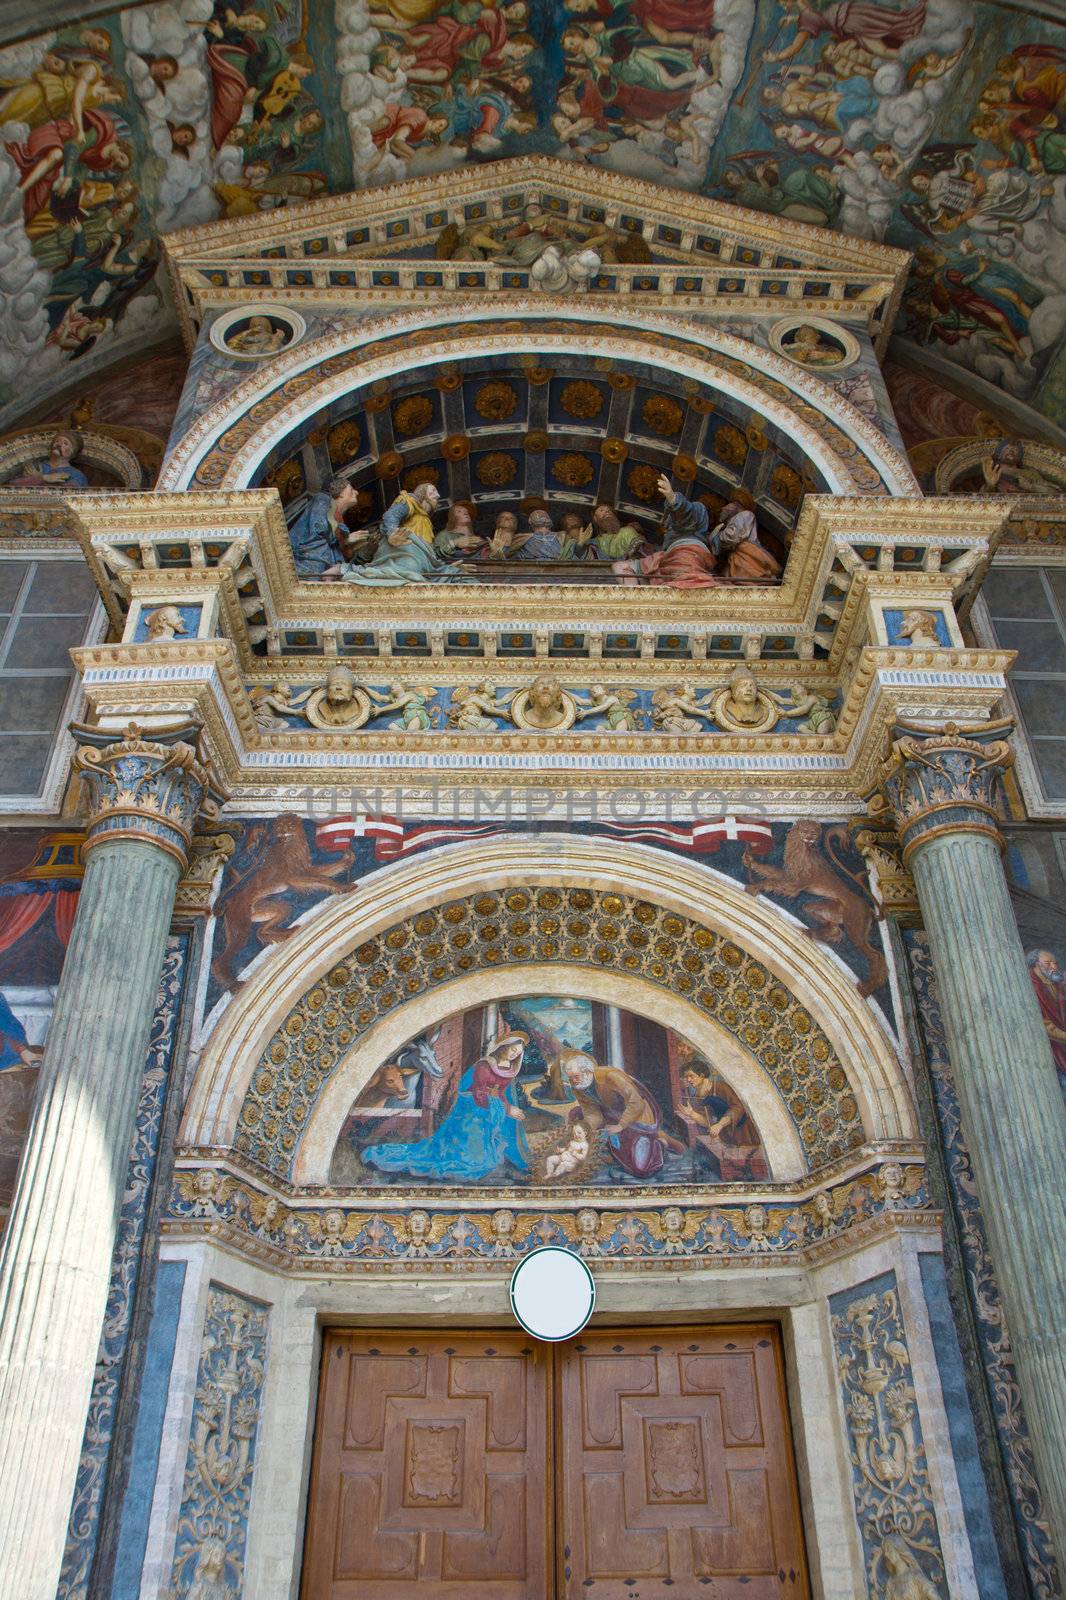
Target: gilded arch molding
(413,929)
(223,449)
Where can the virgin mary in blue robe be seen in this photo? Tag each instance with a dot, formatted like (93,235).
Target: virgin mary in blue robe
(482,1132)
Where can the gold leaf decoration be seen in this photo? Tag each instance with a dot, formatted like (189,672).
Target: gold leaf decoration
(573,470)
(786,485)
(496,470)
(343,441)
(614,450)
(662,415)
(684,469)
(426,473)
(288,480)
(582,399)
(730,445)
(535,442)
(456,447)
(496,401)
(641,482)
(412,415)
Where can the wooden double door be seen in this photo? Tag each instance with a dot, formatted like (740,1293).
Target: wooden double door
(620,1466)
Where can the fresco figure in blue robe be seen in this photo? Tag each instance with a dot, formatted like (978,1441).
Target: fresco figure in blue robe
(15,1048)
(481,1133)
(315,530)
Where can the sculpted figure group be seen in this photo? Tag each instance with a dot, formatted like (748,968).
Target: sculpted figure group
(342,705)
(685,553)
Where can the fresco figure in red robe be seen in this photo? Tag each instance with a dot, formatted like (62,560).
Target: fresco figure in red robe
(1049,986)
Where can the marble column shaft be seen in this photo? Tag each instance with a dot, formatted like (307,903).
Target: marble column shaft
(56,1261)
(1014,1121)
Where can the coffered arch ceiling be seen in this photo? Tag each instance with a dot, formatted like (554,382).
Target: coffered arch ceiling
(563,430)
(934,124)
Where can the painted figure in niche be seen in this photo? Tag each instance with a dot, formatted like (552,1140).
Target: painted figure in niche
(837,904)
(316,531)
(1009,469)
(259,338)
(405,553)
(685,560)
(482,1132)
(609,1099)
(811,347)
(1049,986)
(58,471)
(737,534)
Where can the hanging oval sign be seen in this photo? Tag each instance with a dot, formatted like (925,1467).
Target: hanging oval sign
(553,1293)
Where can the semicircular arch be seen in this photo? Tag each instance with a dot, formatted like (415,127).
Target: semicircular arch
(513,903)
(225,447)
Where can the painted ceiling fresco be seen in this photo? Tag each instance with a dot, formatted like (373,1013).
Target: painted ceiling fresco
(935,124)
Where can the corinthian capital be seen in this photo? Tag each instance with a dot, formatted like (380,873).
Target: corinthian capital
(942,783)
(152,789)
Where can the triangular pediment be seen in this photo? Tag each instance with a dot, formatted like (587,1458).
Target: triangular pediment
(485,230)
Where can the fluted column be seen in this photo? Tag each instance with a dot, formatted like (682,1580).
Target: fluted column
(145,795)
(940,792)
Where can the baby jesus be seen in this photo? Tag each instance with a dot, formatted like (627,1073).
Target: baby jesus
(571,1155)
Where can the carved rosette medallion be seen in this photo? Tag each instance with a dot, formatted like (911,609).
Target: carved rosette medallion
(153,789)
(942,783)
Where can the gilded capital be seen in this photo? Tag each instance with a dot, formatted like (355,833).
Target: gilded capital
(941,783)
(153,789)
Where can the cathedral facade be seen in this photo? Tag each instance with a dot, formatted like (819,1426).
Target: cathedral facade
(533,736)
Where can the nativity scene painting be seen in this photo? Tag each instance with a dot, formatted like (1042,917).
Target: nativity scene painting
(547,1090)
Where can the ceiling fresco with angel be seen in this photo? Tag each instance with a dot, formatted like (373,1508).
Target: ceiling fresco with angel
(939,125)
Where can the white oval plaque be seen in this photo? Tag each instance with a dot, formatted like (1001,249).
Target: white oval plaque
(553,1294)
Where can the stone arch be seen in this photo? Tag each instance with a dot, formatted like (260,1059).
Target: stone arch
(224,448)
(513,903)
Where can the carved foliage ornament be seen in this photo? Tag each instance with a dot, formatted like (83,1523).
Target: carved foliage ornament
(613,1230)
(890,1478)
(213,1519)
(940,783)
(496,401)
(582,399)
(146,789)
(496,470)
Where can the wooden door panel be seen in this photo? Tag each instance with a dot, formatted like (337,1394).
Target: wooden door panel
(431,1467)
(677,1475)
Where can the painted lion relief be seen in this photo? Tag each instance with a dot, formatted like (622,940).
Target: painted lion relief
(548,1090)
